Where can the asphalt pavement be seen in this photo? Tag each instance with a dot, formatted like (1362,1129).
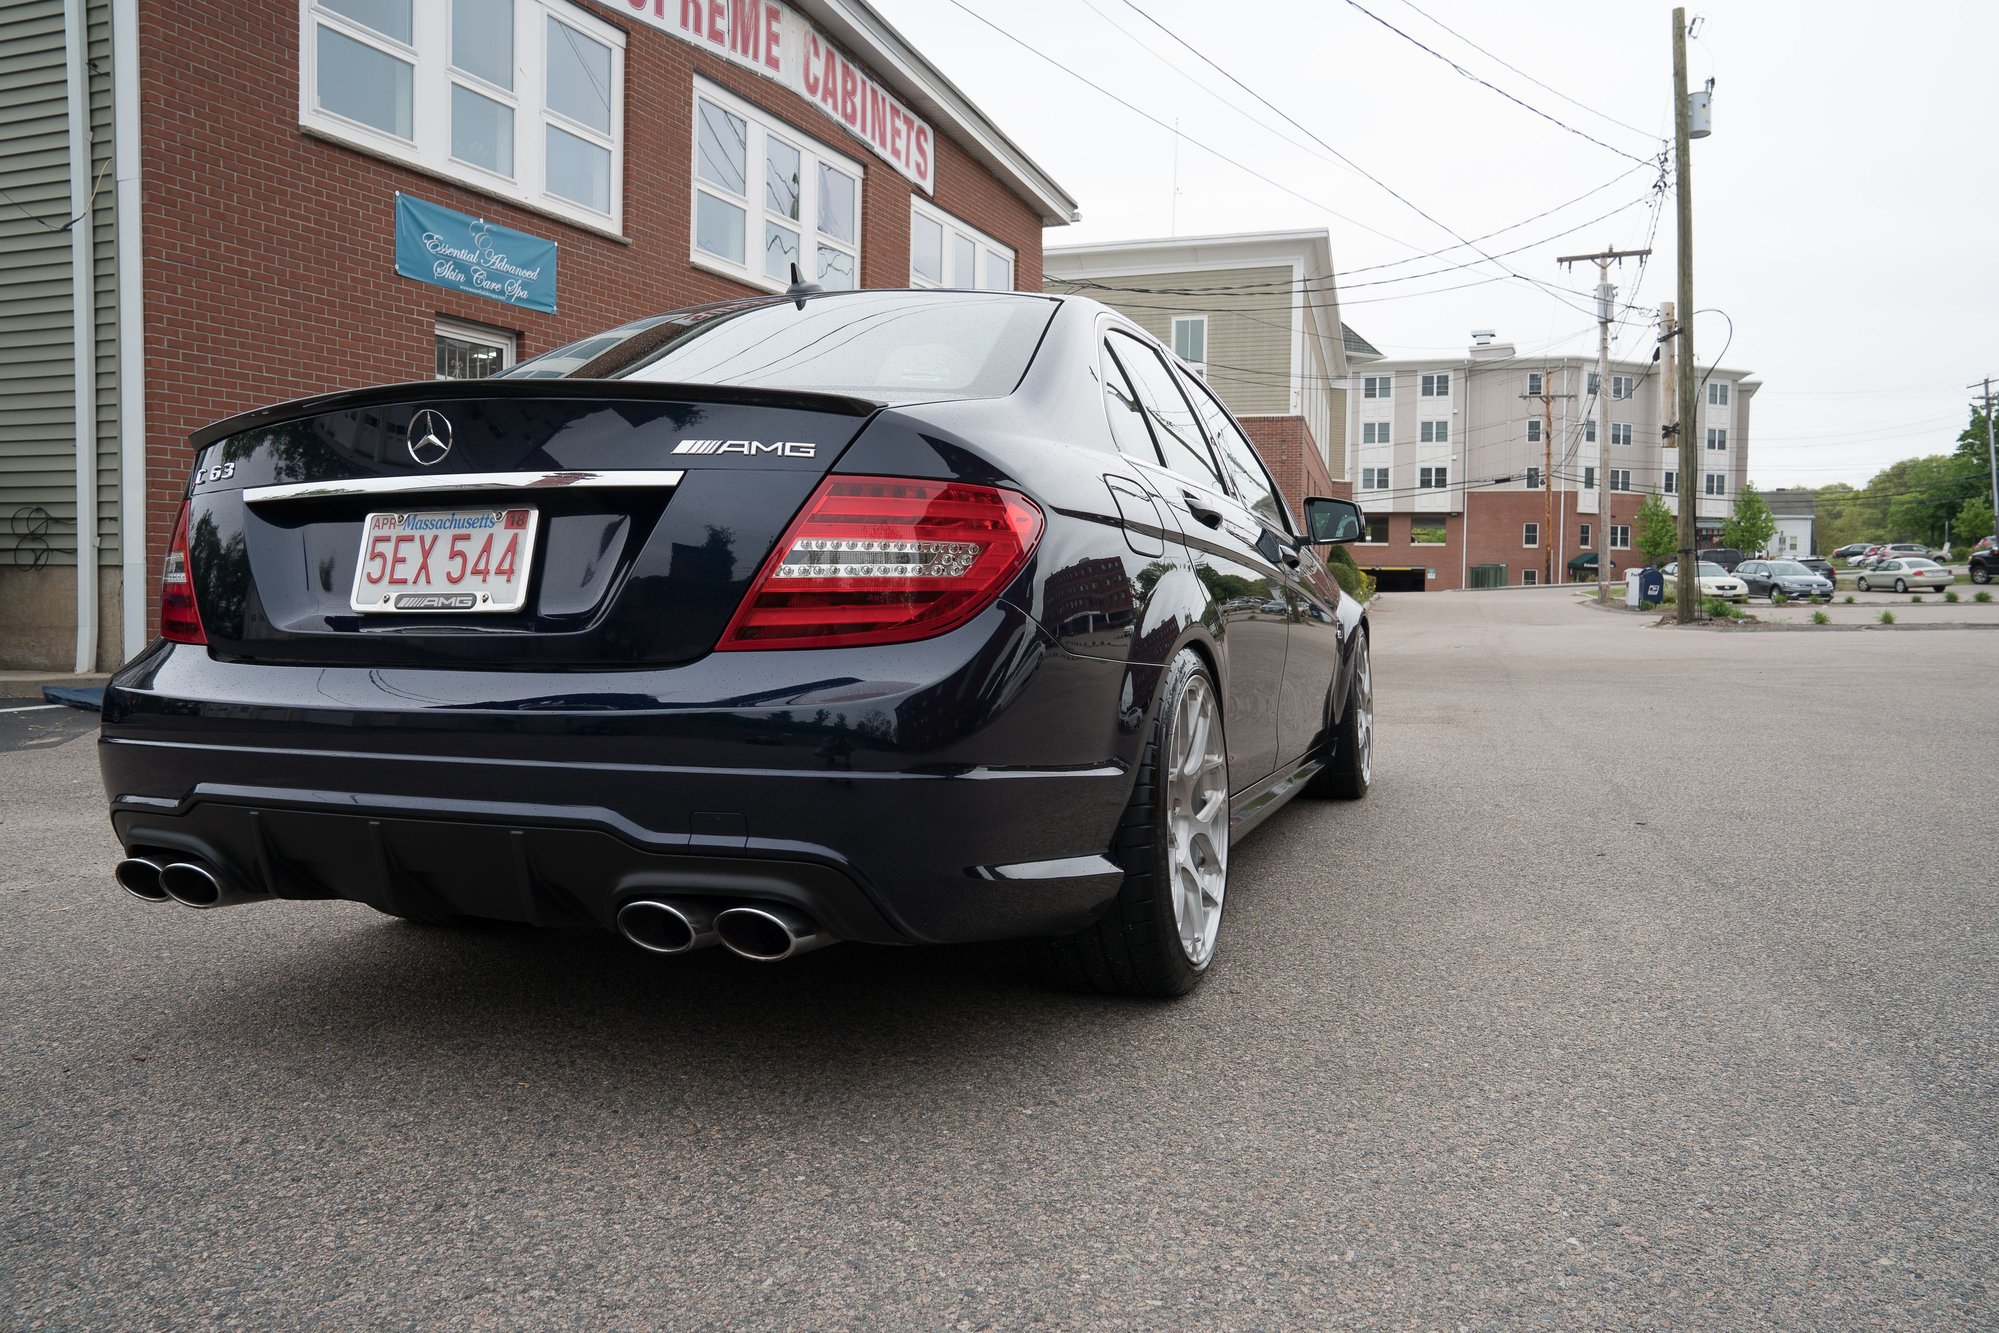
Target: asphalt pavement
(1654,986)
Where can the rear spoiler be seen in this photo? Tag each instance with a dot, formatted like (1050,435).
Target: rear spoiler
(449,391)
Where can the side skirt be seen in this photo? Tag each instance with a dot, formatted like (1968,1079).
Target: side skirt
(1250,808)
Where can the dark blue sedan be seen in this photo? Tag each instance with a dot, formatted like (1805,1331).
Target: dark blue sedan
(901,617)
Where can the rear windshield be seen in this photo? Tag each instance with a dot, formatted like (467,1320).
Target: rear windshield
(886,346)
(1787,567)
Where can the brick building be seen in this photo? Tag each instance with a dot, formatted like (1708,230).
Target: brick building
(285,199)
(1449,447)
(1256,316)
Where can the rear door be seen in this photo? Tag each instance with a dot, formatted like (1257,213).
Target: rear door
(1230,556)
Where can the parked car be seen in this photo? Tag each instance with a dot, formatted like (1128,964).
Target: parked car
(907,617)
(1823,568)
(1984,564)
(1908,573)
(1985,544)
(1850,551)
(1766,578)
(1725,556)
(1711,580)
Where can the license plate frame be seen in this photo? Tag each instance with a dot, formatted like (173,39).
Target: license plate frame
(470,543)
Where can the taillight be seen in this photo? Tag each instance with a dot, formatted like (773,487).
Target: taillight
(885,560)
(180,618)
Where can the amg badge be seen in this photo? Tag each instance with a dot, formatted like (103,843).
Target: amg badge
(751,448)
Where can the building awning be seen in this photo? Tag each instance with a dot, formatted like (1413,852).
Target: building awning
(1587,560)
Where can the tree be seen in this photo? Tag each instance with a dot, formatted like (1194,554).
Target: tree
(1751,526)
(1657,537)
(1974,520)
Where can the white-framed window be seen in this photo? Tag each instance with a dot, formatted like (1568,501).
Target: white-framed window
(1620,479)
(1437,385)
(1374,478)
(766,197)
(1428,532)
(1671,485)
(1374,432)
(1589,430)
(1584,542)
(1377,531)
(1716,484)
(472,351)
(944,252)
(1377,386)
(1433,478)
(1190,342)
(1620,432)
(1533,478)
(1530,534)
(519,98)
(1717,437)
(1717,393)
(1533,430)
(1530,578)
(1589,478)
(1534,384)
(1433,432)
(1621,386)
(1620,536)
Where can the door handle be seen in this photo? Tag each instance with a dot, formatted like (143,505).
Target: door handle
(1205,512)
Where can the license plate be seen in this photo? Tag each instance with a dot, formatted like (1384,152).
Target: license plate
(458,561)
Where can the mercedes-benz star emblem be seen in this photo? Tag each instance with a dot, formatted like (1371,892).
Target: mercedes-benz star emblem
(429,437)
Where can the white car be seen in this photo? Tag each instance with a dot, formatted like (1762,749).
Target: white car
(1908,573)
(1713,581)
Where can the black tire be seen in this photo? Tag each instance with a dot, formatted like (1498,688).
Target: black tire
(1134,948)
(1980,574)
(1901,585)
(1861,584)
(1349,770)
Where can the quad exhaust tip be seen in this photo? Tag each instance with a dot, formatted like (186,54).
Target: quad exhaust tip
(769,933)
(140,877)
(193,884)
(660,926)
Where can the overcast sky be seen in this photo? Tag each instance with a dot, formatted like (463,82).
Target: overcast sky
(1846,211)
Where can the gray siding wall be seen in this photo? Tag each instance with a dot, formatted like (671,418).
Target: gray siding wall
(37,381)
(1249,333)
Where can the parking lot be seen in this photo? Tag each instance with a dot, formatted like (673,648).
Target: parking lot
(1655,984)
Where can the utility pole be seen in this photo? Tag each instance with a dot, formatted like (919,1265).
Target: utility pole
(1606,297)
(1687,585)
(1547,397)
(1991,454)
(1669,401)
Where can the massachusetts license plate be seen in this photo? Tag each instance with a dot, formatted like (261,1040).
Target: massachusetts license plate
(456,560)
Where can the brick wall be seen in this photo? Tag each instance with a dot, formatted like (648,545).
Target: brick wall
(270,253)
(1286,447)
(1497,524)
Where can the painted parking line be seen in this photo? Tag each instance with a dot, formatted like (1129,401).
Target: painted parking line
(31,708)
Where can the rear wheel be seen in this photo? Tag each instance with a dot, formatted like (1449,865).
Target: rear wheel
(1901,585)
(1980,574)
(1159,935)
(1861,583)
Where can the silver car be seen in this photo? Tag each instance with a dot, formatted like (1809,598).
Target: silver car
(1907,573)
(1767,578)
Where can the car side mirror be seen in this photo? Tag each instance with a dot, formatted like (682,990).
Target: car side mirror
(1333,522)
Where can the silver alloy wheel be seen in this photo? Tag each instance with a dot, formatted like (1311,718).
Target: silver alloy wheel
(1197,819)
(1363,723)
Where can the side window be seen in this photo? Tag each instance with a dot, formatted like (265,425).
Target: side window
(1127,417)
(1173,424)
(1245,469)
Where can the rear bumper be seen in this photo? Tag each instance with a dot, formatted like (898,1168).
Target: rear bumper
(960,789)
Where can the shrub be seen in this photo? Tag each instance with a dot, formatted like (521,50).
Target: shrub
(1721,610)
(1821,618)
(1777,598)
(1353,581)
(1849,599)
(1981,596)
(1952,597)
(1887,617)
(1917,598)
(1648,606)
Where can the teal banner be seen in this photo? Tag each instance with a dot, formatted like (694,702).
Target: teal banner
(437,245)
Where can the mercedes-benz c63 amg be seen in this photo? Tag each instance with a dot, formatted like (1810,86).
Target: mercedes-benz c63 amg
(901,617)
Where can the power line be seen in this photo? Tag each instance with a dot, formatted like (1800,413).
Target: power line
(1528,106)
(1645,134)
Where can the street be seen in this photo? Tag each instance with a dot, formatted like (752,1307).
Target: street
(1654,984)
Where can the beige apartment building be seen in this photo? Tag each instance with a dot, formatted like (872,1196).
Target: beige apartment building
(1257,316)
(1483,469)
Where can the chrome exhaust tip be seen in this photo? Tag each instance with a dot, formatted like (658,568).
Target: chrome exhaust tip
(192,884)
(659,926)
(140,877)
(769,933)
